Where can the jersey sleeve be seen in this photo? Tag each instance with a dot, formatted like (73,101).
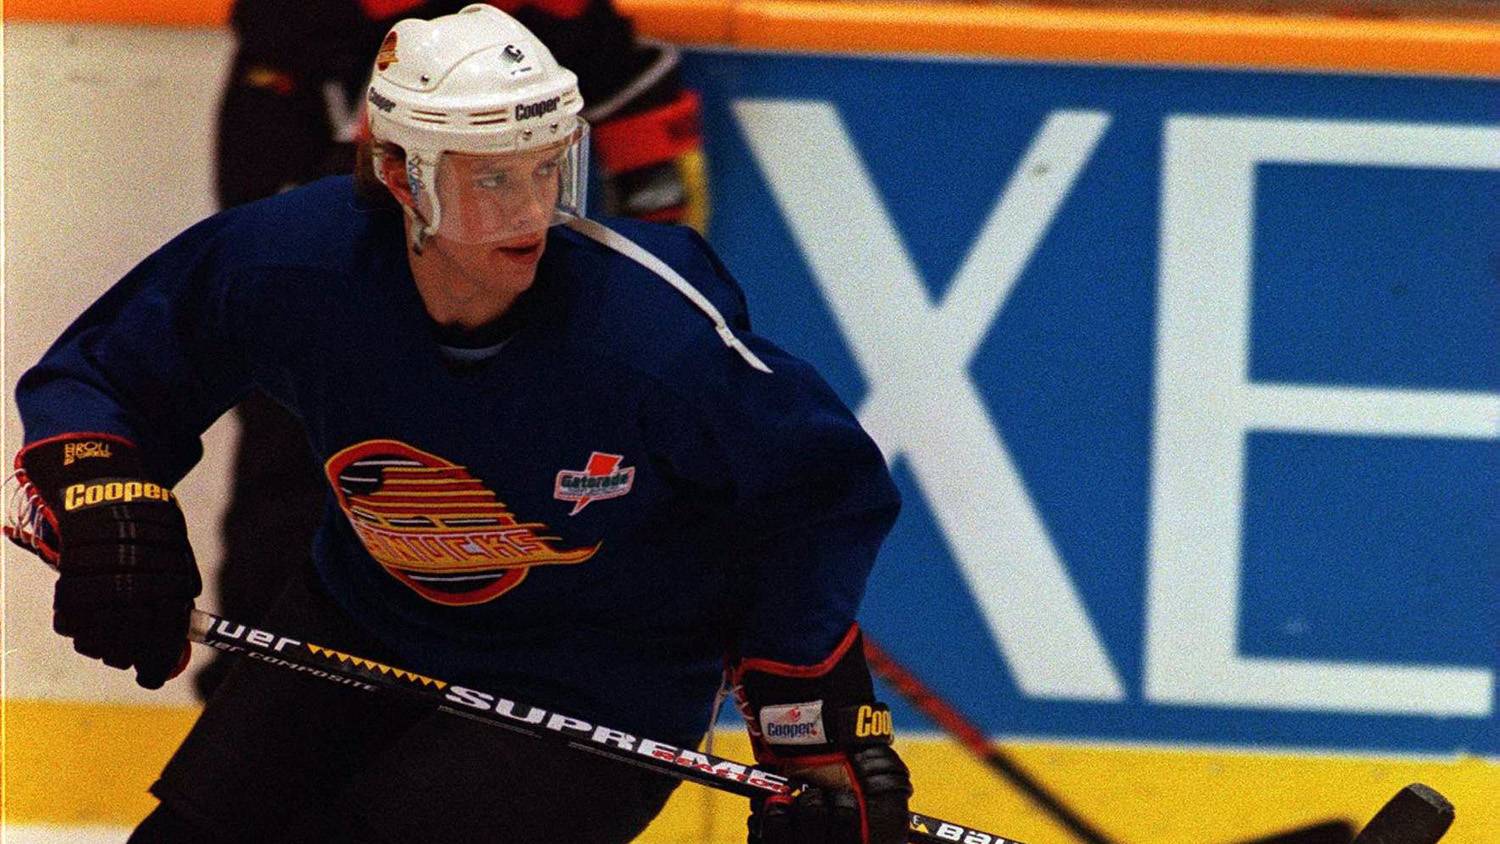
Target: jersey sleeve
(806,493)
(154,360)
(812,501)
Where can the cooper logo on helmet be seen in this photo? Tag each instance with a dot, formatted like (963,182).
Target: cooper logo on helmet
(537,109)
(379,101)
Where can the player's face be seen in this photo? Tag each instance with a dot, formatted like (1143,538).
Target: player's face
(499,200)
(496,210)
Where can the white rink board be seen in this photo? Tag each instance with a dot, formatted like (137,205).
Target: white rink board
(59,834)
(108,153)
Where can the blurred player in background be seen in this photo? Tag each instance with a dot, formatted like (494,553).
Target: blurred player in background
(291,113)
(560,465)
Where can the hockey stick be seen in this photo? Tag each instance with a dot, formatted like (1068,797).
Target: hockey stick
(683,763)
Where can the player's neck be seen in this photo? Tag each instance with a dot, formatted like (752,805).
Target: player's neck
(463,297)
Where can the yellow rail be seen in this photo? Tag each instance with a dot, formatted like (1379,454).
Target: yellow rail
(996,30)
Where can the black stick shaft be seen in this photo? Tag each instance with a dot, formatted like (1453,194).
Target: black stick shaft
(682,763)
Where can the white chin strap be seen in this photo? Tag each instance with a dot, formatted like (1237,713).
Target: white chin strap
(617,242)
(421,179)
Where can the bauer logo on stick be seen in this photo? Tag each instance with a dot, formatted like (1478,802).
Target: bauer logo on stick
(381,102)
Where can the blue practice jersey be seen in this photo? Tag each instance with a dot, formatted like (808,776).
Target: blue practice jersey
(588,519)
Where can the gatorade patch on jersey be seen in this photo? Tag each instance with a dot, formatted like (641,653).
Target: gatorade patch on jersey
(436,528)
(793,723)
(603,477)
(387,55)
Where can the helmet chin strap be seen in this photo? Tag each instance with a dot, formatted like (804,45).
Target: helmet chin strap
(421,172)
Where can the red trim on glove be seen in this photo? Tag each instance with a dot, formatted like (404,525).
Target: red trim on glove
(859,797)
(33,540)
(788,670)
(187,656)
(23,534)
(651,137)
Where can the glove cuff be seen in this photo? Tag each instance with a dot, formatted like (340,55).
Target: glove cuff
(650,137)
(807,714)
(47,469)
(55,465)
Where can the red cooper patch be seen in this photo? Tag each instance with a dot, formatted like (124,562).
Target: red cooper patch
(435,527)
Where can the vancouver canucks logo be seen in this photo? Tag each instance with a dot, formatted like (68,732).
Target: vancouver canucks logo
(435,527)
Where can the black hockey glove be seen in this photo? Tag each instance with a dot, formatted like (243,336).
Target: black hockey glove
(651,150)
(822,723)
(127,578)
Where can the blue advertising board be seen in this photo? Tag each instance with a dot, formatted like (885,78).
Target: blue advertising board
(1190,380)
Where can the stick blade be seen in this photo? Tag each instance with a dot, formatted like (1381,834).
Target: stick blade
(1416,815)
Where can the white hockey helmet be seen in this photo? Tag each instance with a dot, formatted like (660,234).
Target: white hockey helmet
(475,82)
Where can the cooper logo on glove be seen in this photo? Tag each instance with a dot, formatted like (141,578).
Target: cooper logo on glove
(79,496)
(872,722)
(795,723)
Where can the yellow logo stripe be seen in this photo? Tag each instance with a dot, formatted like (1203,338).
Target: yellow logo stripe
(376,666)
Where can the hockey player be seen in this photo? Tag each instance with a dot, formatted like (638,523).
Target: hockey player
(559,464)
(290,114)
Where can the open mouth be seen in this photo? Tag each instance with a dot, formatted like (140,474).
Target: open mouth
(529,251)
